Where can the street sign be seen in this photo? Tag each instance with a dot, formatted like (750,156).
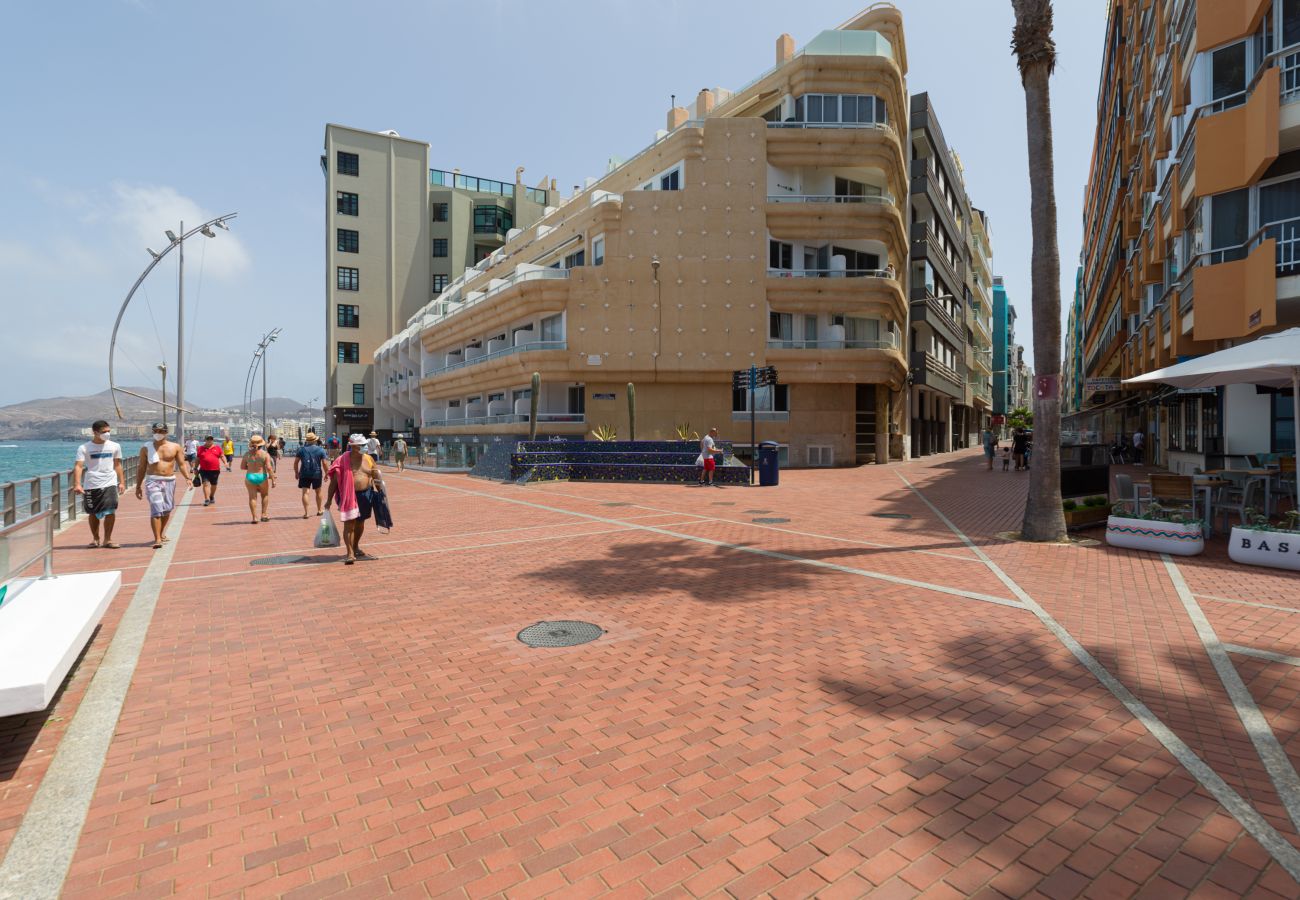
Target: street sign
(1095,385)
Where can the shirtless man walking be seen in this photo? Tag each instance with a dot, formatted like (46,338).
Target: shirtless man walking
(155,478)
(354,479)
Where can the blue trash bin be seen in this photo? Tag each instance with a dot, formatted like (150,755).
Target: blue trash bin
(769,466)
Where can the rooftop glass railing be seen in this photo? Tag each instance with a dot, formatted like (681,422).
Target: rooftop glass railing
(440,178)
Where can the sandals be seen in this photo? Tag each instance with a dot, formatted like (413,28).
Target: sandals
(111,545)
(266,518)
(92,545)
(348,560)
(304,515)
(157,545)
(361,554)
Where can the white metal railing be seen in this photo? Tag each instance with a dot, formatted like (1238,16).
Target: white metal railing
(498,354)
(1287,235)
(831,273)
(445,309)
(882,199)
(1290,77)
(879,126)
(509,419)
(843,344)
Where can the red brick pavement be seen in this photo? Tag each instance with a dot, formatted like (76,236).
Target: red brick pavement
(748,725)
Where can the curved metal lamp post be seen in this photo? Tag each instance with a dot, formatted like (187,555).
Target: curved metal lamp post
(259,361)
(174,243)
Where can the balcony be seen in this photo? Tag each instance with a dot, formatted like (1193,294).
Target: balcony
(475,355)
(461,317)
(822,217)
(927,371)
(842,344)
(932,312)
(925,245)
(825,144)
(870,292)
(543,418)
(836,361)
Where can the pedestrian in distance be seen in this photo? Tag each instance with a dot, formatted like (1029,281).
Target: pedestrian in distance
(1005,453)
(707,461)
(1019,447)
(399,454)
(354,481)
(309,469)
(210,459)
(191,452)
(373,447)
(272,448)
(990,445)
(333,447)
(99,478)
(155,479)
(1139,446)
(228,451)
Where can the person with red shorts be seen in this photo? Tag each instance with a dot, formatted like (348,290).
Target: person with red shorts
(210,460)
(708,450)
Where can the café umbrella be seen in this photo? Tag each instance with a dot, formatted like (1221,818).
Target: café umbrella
(1271,361)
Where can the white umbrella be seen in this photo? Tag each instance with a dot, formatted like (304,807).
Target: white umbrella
(1273,361)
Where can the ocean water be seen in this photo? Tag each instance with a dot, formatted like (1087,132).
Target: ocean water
(27,459)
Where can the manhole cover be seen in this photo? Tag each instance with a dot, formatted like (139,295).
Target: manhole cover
(891,515)
(768,521)
(560,634)
(276,560)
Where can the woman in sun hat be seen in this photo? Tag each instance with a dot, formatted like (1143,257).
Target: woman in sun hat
(259,477)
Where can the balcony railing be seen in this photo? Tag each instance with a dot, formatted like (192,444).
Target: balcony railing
(882,199)
(498,354)
(509,419)
(1290,77)
(831,273)
(443,309)
(879,126)
(845,344)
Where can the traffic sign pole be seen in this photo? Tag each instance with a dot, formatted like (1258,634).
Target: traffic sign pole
(753,433)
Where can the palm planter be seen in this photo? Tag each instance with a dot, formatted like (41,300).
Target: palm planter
(1155,535)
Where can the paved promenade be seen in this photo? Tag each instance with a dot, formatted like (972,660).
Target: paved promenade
(843,686)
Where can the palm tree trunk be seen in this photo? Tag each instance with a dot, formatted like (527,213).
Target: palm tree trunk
(1044,519)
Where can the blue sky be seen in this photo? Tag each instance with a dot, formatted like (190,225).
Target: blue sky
(127,115)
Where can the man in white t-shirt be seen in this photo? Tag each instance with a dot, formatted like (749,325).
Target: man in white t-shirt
(372,446)
(708,450)
(98,477)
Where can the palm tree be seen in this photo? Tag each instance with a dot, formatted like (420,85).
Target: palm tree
(1036,56)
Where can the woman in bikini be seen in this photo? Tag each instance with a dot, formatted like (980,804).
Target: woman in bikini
(259,477)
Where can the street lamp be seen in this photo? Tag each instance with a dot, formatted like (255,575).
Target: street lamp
(259,359)
(162,367)
(175,242)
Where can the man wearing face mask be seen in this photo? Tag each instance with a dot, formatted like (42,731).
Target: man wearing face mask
(98,477)
(156,479)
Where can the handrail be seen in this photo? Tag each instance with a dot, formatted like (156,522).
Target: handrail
(63,500)
(880,126)
(497,354)
(881,199)
(843,344)
(15,565)
(831,273)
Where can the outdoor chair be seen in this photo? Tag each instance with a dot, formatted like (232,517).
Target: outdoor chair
(1237,500)
(1131,494)
(1174,492)
(1287,479)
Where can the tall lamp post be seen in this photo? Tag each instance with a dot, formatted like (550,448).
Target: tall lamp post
(259,358)
(162,367)
(174,242)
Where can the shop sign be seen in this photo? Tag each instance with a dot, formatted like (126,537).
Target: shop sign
(353,415)
(1095,385)
(604,396)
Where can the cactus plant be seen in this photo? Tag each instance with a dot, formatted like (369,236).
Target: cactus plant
(684,432)
(532,406)
(605,433)
(631,410)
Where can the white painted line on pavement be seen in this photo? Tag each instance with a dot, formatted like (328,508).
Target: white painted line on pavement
(1287,856)
(1263,654)
(1276,762)
(1287,609)
(757,551)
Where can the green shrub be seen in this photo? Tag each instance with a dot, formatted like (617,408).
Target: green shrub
(1095,501)
(1069,505)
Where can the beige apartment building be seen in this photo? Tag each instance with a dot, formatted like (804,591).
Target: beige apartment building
(398,232)
(763,227)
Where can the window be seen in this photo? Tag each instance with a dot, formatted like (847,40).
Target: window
(780,255)
(1283,423)
(577,400)
(857,260)
(553,328)
(440,247)
(349,241)
(671,181)
(348,164)
(773,398)
(821,455)
(1228,71)
(481,252)
(492,219)
(1290,22)
(349,279)
(349,316)
(346,204)
(852,109)
(440,283)
(349,352)
(440,212)
(780,327)
(598,250)
(358,395)
(574,259)
(845,187)
(1230,224)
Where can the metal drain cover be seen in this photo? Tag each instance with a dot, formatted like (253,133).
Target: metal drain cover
(757,512)
(560,634)
(724,503)
(768,521)
(276,560)
(891,515)
(616,504)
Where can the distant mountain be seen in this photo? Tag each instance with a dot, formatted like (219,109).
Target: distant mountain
(56,417)
(277,406)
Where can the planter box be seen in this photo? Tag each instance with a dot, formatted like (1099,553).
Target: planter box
(1276,549)
(1086,516)
(1155,536)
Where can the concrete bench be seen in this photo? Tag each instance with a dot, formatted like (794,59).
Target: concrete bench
(44,622)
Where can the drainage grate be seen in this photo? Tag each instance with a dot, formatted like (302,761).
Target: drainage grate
(276,560)
(616,504)
(757,512)
(724,503)
(560,634)
(891,515)
(768,521)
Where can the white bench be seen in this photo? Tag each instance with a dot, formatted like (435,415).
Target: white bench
(44,622)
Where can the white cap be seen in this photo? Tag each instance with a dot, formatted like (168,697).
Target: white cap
(356,440)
